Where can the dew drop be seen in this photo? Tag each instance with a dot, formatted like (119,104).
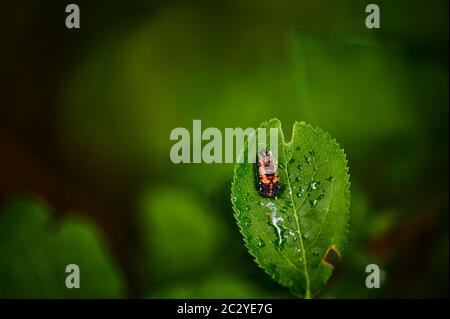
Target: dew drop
(307,159)
(299,167)
(292,235)
(248,207)
(276,222)
(313,203)
(259,243)
(246,222)
(316,252)
(314,185)
(298,179)
(289,218)
(299,194)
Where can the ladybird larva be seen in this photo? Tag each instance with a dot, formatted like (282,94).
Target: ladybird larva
(267,171)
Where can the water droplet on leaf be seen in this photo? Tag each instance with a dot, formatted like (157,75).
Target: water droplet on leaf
(277,223)
(246,222)
(259,243)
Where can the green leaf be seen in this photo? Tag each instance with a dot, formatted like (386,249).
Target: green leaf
(180,235)
(292,236)
(34,253)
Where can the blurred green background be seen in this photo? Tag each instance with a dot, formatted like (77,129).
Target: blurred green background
(85,118)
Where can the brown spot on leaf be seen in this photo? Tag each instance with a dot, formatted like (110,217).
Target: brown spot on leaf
(332,256)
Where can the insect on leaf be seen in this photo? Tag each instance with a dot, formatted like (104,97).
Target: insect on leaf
(294,235)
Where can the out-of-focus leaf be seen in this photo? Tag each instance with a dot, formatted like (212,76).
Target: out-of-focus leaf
(180,234)
(354,87)
(34,253)
(291,235)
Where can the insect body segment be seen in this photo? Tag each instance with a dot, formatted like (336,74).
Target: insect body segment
(268,181)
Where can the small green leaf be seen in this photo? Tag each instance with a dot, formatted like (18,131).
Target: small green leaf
(35,250)
(180,235)
(292,236)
